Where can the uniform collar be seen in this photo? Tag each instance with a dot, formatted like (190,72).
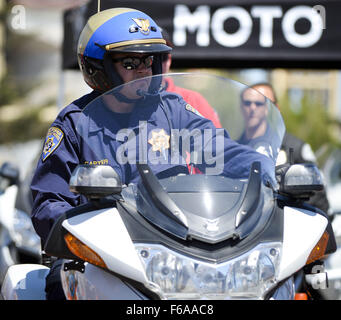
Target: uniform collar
(170,86)
(99,118)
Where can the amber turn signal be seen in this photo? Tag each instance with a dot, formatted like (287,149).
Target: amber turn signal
(301,296)
(81,250)
(320,249)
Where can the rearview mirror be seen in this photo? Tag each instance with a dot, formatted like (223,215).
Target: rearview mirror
(9,175)
(300,180)
(95,181)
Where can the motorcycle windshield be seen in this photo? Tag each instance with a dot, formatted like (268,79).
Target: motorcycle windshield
(186,175)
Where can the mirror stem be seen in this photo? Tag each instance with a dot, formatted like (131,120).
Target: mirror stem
(291,156)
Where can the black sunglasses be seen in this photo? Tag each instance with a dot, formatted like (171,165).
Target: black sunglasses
(248,103)
(131,63)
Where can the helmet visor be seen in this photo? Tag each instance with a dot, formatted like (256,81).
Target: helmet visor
(140,48)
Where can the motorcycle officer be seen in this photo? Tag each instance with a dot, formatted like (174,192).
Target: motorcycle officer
(116,46)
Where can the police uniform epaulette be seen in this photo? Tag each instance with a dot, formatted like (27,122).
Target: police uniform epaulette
(71,108)
(173,95)
(78,105)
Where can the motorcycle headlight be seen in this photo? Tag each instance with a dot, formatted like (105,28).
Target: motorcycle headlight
(176,276)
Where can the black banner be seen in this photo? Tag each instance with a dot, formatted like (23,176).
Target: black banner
(233,33)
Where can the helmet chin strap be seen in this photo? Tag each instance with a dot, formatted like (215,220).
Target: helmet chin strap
(115,79)
(110,71)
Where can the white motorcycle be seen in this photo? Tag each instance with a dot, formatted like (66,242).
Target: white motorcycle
(19,243)
(184,236)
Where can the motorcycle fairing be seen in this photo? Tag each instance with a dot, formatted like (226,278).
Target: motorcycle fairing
(104,232)
(302,230)
(96,284)
(235,206)
(55,244)
(269,229)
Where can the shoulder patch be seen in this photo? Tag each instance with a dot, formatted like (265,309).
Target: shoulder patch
(52,141)
(188,107)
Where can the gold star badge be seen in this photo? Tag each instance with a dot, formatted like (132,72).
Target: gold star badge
(159,140)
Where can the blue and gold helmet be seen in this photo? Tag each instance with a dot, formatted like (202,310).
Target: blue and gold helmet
(117,30)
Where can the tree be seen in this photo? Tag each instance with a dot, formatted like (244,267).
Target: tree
(310,122)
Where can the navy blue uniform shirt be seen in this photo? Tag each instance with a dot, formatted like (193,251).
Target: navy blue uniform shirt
(262,144)
(95,136)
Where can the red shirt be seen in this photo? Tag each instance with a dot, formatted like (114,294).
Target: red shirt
(196,100)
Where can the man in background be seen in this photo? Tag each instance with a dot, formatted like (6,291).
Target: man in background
(302,151)
(258,134)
